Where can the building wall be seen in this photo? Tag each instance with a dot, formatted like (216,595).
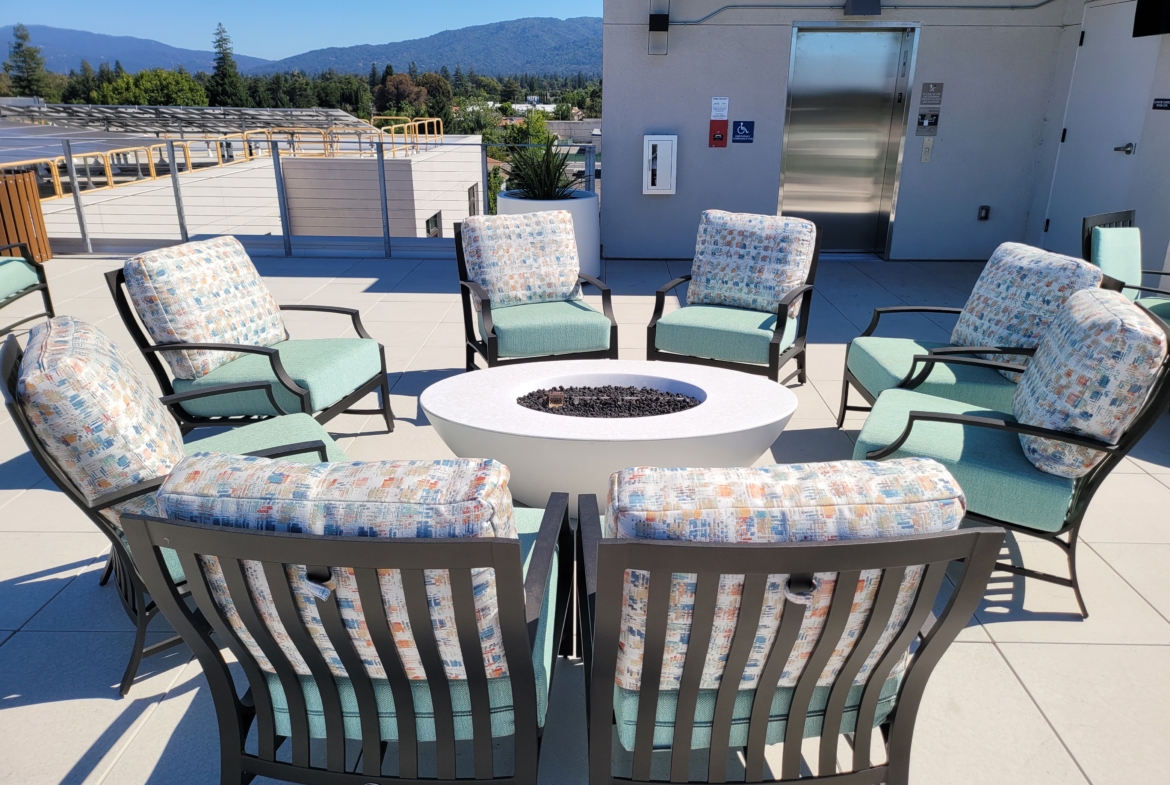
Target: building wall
(1149,194)
(1006,76)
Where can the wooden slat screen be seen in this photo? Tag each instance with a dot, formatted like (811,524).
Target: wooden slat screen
(21,219)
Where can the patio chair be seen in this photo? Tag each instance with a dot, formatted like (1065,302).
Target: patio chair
(1096,384)
(20,276)
(840,635)
(1018,294)
(1113,242)
(749,271)
(95,428)
(352,621)
(520,284)
(207,312)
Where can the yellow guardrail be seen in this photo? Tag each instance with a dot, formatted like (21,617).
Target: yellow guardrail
(399,135)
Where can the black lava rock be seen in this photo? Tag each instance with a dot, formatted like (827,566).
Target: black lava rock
(607,401)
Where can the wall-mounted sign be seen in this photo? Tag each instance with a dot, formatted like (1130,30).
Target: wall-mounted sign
(927,123)
(743,131)
(1162,103)
(719,108)
(931,94)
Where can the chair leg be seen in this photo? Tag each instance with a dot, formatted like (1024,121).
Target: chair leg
(136,655)
(1072,573)
(387,412)
(802,369)
(844,403)
(102,581)
(470,358)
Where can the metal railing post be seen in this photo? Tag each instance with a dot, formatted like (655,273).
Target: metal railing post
(385,212)
(73,186)
(281,197)
(487,199)
(590,168)
(173,165)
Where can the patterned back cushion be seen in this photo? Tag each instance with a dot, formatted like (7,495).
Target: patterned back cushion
(1017,296)
(203,292)
(843,500)
(1090,376)
(518,259)
(750,261)
(441,499)
(94,413)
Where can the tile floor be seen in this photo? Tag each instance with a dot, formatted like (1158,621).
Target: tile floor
(1029,694)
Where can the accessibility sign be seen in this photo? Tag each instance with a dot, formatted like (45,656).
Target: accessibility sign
(743,131)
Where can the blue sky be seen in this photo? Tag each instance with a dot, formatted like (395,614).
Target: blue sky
(263,28)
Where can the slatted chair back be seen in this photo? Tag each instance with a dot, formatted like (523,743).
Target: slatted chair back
(21,219)
(367,558)
(1121,218)
(927,636)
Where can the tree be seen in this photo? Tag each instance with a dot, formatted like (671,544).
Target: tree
(152,87)
(474,118)
(537,128)
(104,75)
(226,87)
(412,71)
(5,83)
(563,111)
(78,86)
(400,94)
(443,72)
(372,79)
(438,103)
(459,82)
(119,71)
(26,67)
(510,90)
(388,71)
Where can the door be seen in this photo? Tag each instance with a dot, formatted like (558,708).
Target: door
(847,99)
(1111,84)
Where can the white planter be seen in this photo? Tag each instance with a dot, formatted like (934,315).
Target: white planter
(583,206)
(477,416)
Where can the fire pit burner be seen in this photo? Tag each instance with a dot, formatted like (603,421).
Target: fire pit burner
(607,401)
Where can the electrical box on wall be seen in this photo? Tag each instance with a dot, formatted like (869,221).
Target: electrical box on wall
(659,160)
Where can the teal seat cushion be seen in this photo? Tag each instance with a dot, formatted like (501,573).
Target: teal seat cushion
(717,332)
(1159,306)
(990,466)
(263,435)
(329,368)
(881,363)
(626,714)
(499,689)
(558,327)
(15,275)
(1117,250)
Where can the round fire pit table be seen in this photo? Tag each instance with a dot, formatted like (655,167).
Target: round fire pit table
(739,417)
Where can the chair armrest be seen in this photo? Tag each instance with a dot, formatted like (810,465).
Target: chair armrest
(782,311)
(606,295)
(994,424)
(878,313)
(660,297)
(114,498)
(911,381)
(1146,272)
(589,536)
(25,252)
(485,306)
(554,530)
(190,395)
(352,313)
(299,448)
(1020,350)
(273,356)
(1148,289)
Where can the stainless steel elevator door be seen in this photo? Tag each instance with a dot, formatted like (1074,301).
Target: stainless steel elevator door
(843,132)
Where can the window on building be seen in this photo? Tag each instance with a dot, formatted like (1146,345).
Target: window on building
(435,225)
(473,199)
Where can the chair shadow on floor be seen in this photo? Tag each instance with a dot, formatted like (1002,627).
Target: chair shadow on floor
(1006,593)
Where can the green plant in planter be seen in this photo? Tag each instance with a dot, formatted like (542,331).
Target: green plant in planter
(540,173)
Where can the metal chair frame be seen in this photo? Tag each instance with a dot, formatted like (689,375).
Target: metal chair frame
(42,286)
(488,348)
(1085,487)
(1120,219)
(116,281)
(602,564)
(776,360)
(119,565)
(520,599)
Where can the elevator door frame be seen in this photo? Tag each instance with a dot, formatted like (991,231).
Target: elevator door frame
(899,123)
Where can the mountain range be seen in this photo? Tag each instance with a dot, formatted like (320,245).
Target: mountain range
(533,45)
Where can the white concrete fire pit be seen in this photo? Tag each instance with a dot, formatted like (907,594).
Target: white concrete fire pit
(476,414)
